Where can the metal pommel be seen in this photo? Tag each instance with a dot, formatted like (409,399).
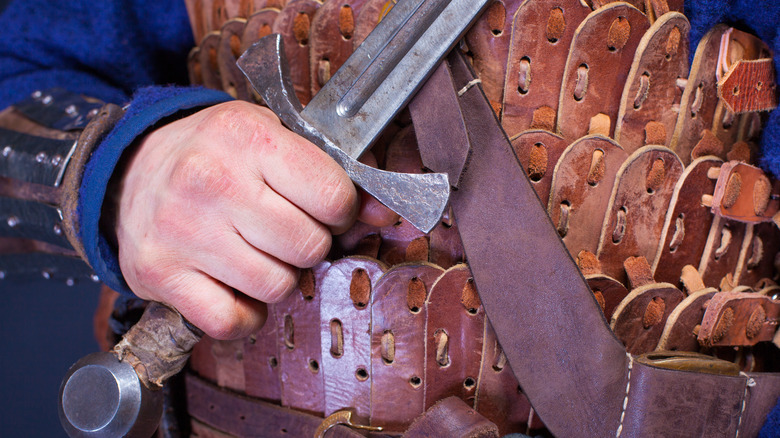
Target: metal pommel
(103,397)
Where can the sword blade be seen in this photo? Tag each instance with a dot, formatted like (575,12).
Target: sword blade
(384,72)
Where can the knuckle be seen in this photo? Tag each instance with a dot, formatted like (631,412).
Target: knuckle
(280,283)
(339,197)
(201,175)
(315,248)
(224,325)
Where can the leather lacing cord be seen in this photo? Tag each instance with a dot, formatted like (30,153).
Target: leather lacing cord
(468,86)
(625,399)
(751,382)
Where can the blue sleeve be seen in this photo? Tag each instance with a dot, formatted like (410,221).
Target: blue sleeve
(105,49)
(149,106)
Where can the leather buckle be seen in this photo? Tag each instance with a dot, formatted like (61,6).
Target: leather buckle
(343,417)
(689,361)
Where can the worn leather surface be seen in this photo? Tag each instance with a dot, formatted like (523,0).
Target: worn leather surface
(454,337)
(635,216)
(607,290)
(538,152)
(651,93)
(722,250)
(207,61)
(744,193)
(727,126)
(640,318)
(581,189)
(684,322)
(602,384)
(499,397)
(545,47)
(300,348)
(605,67)
(739,319)
(398,355)
(452,418)
(261,362)
(749,86)
(346,368)
(330,41)
(229,50)
(245,417)
(506,204)
(698,102)
(687,223)
(488,42)
(294,23)
(760,251)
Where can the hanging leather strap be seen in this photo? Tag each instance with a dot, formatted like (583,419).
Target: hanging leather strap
(575,372)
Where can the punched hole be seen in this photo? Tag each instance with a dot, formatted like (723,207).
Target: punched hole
(336,338)
(273,362)
(469,383)
(242,417)
(415,381)
(361,374)
(314,366)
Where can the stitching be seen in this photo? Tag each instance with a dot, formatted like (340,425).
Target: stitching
(749,383)
(463,90)
(625,399)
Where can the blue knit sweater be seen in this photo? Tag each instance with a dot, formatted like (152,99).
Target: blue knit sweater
(127,51)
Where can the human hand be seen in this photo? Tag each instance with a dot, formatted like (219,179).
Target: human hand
(217,211)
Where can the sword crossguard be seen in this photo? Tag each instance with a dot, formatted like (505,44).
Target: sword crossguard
(418,198)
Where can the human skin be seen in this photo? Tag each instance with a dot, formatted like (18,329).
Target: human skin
(218,211)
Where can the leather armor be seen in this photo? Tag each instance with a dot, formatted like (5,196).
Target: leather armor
(645,163)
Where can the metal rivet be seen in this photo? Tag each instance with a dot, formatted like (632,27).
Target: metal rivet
(70,281)
(37,94)
(71,110)
(55,160)
(94,278)
(12,221)
(57,230)
(47,99)
(7,151)
(41,157)
(46,274)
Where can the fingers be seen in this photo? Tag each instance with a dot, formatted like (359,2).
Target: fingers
(215,308)
(277,227)
(302,173)
(372,212)
(235,263)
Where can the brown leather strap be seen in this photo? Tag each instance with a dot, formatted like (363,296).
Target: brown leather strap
(300,348)
(749,86)
(571,351)
(687,223)
(246,417)
(581,189)
(538,152)
(537,58)
(650,93)
(397,364)
(594,68)
(452,418)
(345,312)
(635,216)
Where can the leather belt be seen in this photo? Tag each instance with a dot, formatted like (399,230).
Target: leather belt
(575,372)
(243,416)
